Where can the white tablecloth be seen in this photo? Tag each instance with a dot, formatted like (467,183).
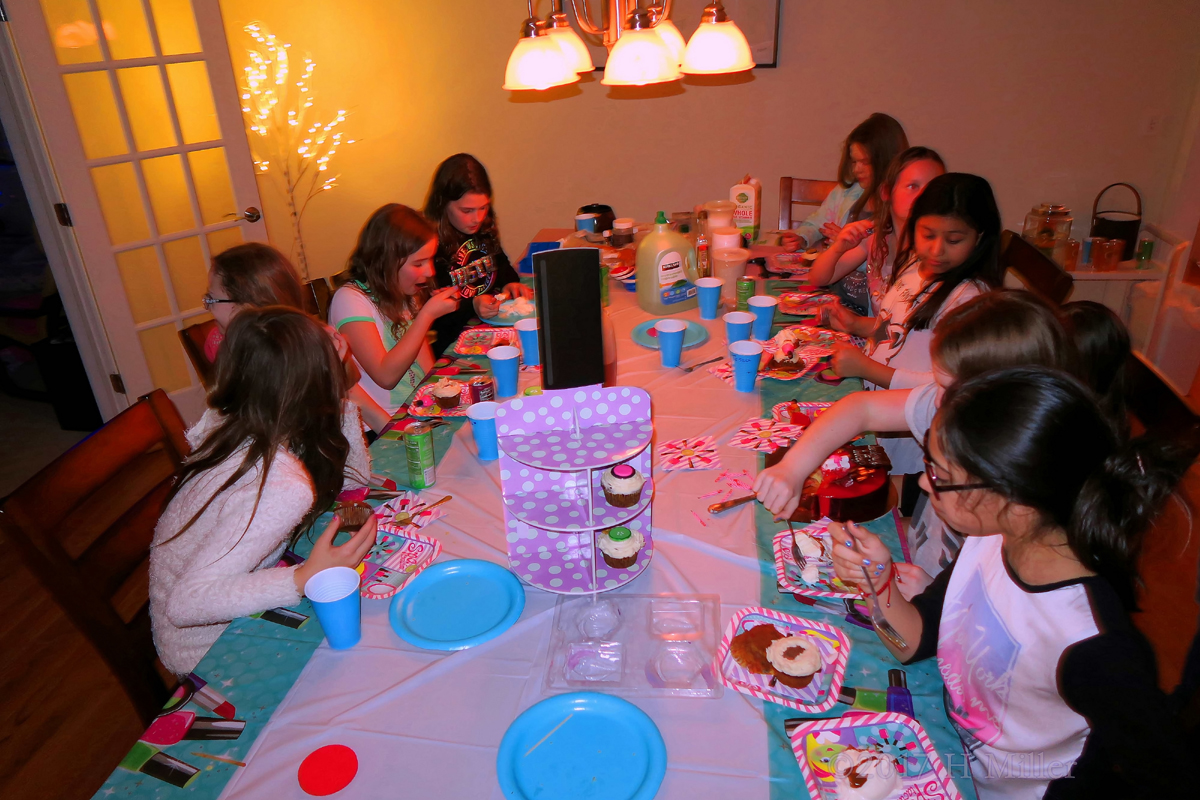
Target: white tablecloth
(428,724)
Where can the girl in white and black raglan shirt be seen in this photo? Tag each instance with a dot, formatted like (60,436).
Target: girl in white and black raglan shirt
(1052,690)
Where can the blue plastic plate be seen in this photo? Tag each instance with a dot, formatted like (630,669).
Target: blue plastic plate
(457,604)
(582,744)
(505,319)
(694,336)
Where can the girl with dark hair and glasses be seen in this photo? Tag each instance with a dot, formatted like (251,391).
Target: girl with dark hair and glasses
(1052,690)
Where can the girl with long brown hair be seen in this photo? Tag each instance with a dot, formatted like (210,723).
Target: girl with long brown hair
(469,254)
(875,241)
(866,154)
(276,446)
(256,275)
(390,304)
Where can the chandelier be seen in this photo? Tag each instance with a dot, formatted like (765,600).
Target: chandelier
(644,46)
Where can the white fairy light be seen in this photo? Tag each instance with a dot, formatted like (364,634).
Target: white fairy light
(277,111)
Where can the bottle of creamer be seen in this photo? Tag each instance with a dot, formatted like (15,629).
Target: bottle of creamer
(666,271)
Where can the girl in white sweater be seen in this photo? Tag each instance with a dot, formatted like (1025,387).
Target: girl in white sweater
(274,449)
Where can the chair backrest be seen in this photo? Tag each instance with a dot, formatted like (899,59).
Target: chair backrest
(84,525)
(316,298)
(1037,272)
(1155,405)
(800,192)
(193,338)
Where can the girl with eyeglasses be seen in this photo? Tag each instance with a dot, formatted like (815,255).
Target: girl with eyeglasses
(255,275)
(1004,328)
(1050,687)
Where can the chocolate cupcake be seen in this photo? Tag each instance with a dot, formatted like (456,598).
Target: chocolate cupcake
(620,547)
(622,486)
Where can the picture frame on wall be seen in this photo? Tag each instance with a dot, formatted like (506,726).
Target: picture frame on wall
(757,19)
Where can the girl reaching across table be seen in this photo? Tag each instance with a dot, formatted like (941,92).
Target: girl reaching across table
(1053,691)
(389,305)
(866,154)
(875,241)
(469,254)
(997,330)
(276,446)
(255,275)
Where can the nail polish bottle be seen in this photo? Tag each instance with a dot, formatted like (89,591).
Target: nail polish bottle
(899,699)
(863,699)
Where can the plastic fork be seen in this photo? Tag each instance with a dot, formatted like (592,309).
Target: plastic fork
(880,622)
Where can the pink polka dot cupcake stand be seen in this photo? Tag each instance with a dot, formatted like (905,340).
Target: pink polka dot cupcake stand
(553,449)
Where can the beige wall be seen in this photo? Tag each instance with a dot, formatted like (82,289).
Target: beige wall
(1048,100)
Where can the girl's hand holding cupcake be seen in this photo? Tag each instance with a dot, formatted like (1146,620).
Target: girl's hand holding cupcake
(856,549)
(325,554)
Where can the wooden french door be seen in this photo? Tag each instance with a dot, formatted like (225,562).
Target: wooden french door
(139,110)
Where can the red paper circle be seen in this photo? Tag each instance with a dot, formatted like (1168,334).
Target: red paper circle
(327,770)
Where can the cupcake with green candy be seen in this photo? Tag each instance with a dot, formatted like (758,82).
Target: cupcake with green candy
(620,546)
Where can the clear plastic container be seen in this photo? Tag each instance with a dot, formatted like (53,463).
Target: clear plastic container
(636,645)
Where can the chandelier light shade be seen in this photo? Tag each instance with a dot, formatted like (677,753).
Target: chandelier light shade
(672,38)
(537,62)
(640,56)
(559,30)
(573,49)
(718,46)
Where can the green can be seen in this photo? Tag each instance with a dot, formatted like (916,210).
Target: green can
(418,447)
(1145,252)
(745,290)
(603,285)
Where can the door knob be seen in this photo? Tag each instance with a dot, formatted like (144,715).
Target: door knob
(251,214)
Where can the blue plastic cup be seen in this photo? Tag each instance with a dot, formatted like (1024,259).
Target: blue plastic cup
(334,595)
(504,369)
(483,426)
(528,329)
(737,326)
(763,308)
(670,340)
(709,292)
(745,356)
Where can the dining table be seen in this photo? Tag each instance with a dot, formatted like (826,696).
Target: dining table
(426,723)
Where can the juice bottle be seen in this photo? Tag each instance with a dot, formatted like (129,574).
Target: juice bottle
(666,271)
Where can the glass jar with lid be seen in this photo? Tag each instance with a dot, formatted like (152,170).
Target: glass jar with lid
(1047,227)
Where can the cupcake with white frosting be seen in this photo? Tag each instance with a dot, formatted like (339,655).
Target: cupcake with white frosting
(447,393)
(865,775)
(795,660)
(622,486)
(620,546)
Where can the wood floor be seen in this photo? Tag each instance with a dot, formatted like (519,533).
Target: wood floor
(64,721)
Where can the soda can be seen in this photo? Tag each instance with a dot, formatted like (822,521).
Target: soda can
(418,447)
(482,389)
(603,285)
(745,290)
(1145,251)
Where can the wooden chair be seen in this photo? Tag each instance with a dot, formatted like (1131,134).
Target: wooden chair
(1037,272)
(84,524)
(193,338)
(1156,407)
(317,294)
(800,192)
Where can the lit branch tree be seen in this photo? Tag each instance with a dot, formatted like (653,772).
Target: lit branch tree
(287,140)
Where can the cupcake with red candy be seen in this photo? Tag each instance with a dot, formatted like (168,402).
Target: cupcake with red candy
(622,486)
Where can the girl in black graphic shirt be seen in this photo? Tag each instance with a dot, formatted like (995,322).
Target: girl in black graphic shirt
(469,254)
